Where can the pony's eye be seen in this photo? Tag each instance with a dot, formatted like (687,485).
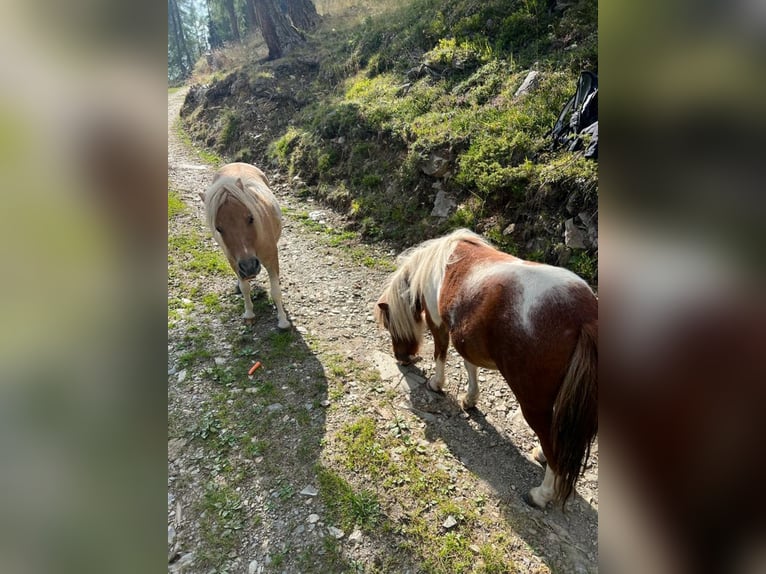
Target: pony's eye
(219,230)
(250,220)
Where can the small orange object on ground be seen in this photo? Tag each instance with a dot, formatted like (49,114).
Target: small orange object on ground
(254,367)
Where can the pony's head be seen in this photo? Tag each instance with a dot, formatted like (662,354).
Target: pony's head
(402,316)
(233,217)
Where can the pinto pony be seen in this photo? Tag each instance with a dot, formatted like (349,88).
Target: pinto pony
(536,324)
(246,221)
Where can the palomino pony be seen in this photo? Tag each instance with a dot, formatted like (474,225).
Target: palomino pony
(536,324)
(246,221)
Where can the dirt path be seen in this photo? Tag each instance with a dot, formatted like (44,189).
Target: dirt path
(330,458)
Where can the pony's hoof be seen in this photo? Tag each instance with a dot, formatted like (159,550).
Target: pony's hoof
(539,456)
(411,360)
(284,326)
(248,320)
(467,403)
(527,497)
(432,385)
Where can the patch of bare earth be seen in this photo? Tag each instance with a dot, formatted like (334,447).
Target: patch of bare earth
(331,458)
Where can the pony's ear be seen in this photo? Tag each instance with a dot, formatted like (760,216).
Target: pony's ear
(202,196)
(383,305)
(240,185)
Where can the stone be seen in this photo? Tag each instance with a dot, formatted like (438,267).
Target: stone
(252,568)
(313,518)
(386,365)
(220,361)
(175,446)
(309,491)
(574,237)
(450,522)
(443,204)
(274,408)
(335,532)
(510,229)
(355,536)
(529,83)
(171,535)
(181,375)
(437,164)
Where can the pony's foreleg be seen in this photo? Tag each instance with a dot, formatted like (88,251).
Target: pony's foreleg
(441,344)
(244,288)
(468,400)
(276,296)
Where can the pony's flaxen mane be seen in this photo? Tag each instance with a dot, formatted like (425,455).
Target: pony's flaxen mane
(420,271)
(224,188)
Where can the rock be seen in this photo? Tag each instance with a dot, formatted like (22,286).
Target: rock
(175,446)
(529,83)
(309,491)
(317,216)
(171,535)
(335,532)
(313,518)
(181,376)
(510,229)
(450,522)
(220,361)
(574,237)
(355,536)
(437,164)
(443,204)
(252,568)
(183,562)
(386,365)
(274,408)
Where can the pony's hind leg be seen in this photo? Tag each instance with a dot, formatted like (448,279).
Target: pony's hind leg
(468,400)
(541,495)
(244,288)
(276,296)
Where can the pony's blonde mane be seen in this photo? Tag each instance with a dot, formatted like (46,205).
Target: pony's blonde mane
(226,187)
(420,271)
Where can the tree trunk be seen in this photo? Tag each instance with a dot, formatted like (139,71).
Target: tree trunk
(250,17)
(280,35)
(229,6)
(181,46)
(303,14)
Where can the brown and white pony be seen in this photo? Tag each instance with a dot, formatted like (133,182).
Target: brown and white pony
(536,324)
(246,222)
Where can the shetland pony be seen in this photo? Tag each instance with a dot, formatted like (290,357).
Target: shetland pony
(536,324)
(246,221)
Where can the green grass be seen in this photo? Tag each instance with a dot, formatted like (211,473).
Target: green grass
(175,204)
(221,523)
(190,251)
(345,506)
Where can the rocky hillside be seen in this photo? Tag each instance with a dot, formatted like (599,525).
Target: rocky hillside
(423,118)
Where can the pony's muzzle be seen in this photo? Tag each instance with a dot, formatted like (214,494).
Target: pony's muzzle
(248,268)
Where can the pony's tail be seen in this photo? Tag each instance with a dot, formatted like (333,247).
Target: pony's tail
(575,412)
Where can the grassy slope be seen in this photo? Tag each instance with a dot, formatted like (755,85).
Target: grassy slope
(351,118)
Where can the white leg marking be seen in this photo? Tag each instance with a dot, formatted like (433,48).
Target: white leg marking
(244,287)
(276,296)
(436,382)
(468,400)
(543,494)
